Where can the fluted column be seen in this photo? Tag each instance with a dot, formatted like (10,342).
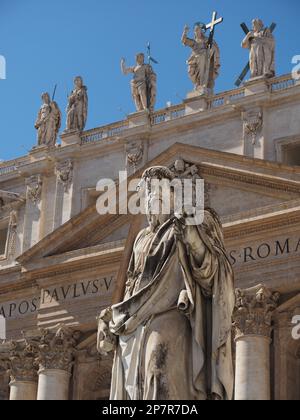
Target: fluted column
(56,356)
(253,324)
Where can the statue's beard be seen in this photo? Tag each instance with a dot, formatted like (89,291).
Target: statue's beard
(157,220)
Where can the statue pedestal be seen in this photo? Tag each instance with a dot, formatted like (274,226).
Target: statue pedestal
(256,86)
(39,152)
(138,119)
(69,138)
(196,102)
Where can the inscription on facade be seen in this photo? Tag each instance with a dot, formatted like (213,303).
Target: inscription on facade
(265,250)
(102,287)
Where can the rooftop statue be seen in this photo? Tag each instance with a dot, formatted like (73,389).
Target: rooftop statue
(77,107)
(204,62)
(143,84)
(261,43)
(48,122)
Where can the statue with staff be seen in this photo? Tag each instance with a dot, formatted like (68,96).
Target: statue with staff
(48,122)
(143,84)
(204,62)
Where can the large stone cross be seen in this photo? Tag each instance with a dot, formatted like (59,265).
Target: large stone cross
(214,22)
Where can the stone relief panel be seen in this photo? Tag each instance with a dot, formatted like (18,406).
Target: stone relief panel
(34,188)
(64,173)
(135,155)
(252,129)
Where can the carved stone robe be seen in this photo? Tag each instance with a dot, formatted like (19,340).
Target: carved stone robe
(165,353)
(48,124)
(143,84)
(262,53)
(204,63)
(77,110)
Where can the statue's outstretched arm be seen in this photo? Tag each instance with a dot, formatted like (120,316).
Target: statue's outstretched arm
(185,40)
(126,70)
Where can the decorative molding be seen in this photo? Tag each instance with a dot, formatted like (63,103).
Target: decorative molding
(259,225)
(134,154)
(64,173)
(253,311)
(253,124)
(34,188)
(259,180)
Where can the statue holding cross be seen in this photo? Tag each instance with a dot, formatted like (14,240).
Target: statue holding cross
(204,63)
(261,43)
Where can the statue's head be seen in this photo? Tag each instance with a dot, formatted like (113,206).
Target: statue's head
(199,30)
(140,58)
(257,25)
(78,82)
(156,185)
(179,166)
(46,98)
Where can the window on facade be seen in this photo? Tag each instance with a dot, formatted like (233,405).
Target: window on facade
(3,238)
(291,154)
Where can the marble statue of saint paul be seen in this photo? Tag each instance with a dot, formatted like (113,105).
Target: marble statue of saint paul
(172,332)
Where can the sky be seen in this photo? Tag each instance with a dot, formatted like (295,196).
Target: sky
(50,42)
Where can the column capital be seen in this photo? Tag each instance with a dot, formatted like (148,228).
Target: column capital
(19,359)
(253,311)
(57,348)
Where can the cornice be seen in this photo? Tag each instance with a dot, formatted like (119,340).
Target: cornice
(262,223)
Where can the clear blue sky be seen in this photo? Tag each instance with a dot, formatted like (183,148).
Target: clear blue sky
(50,41)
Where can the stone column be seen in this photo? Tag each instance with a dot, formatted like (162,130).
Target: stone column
(253,324)
(23,371)
(4,380)
(56,356)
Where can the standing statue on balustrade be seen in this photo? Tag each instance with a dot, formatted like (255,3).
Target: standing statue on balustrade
(48,122)
(77,107)
(261,43)
(143,84)
(204,63)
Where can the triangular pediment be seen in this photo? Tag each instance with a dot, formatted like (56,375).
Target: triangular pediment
(238,186)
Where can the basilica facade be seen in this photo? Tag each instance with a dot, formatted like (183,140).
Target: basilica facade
(59,259)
